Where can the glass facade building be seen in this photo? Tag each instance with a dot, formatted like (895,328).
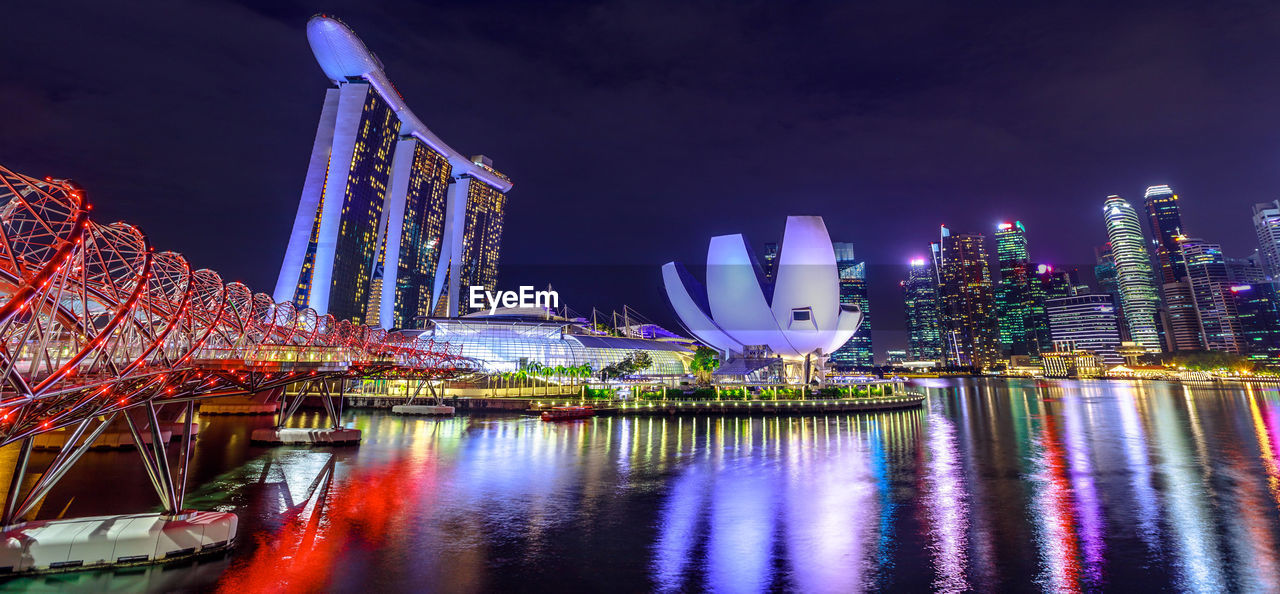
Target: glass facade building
(1089,322)
(1024,329)
(1166,227)
(966,296)
(1247,270)
(370,234)
(1266,223)
(1182,318)
(421,235)
(770,260)
(1207,275)
(482,237)
(857,353)
(1258,310)
(503,344)
(366,191)
(1134,278)
(920,296)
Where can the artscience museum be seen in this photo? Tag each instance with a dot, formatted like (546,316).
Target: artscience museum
(790,314)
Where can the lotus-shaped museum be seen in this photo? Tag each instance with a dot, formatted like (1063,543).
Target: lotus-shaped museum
(797,315)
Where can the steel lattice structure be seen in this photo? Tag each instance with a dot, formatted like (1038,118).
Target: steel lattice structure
(93,321)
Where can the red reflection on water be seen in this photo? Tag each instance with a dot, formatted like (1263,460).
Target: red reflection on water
(1061,543)
(359,509)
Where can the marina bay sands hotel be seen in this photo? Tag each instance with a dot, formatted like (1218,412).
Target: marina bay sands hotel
(393,223)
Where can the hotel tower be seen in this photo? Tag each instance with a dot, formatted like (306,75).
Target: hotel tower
(393,224)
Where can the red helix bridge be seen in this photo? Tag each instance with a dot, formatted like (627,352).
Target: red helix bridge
(96,326)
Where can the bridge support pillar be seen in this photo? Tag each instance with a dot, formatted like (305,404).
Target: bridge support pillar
(335,434)
(106,541)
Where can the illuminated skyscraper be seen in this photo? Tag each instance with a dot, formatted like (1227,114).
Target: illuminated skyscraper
(380,189)
(1105,274)
(1056,283)
(1138,297)
(474,231)
(920,295)
(770,260)
(1024,328)
(1266,223)
(857,352)
(1207,274)
(1182,319)
(1166,227)
(1247,270)
(1258,310)
(967,298)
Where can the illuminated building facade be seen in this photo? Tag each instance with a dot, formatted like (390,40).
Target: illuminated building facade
(1207,275)
(419,236)
(475,234)
(1266,223)
(511,341)
(1065,361)
(857,352)
(920,296)
(1138,297)
(770,260)
(1181,318)
(1056,283)
(799,317)
(1247,270)
(967,300)
(1258,310)
(371,224)
(1019,300)
(1166,227)
(1089,322)
(1105,274)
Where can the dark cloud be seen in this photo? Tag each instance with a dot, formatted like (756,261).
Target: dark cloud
(636,130)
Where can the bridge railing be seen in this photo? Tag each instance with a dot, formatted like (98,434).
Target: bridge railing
(92,320)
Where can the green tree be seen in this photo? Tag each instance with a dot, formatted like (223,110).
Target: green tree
(1211,361)
(705,361)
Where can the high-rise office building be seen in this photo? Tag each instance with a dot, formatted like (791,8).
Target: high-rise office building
(1108,282)
(770,260)
(1056,282)
(966,295)
(1166,227)
(1024,328)
(856,353)
(1181,318)
(1258,310)
(380,194)
(1088,321)
(1138,297)
(1247,270)
(920,296)
(1266,223)
(1207,274)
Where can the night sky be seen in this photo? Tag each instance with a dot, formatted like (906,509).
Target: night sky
(634,131)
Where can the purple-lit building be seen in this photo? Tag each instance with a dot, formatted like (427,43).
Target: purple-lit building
(392,222)
(797,317)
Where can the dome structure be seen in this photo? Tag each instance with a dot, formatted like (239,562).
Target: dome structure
(798,315)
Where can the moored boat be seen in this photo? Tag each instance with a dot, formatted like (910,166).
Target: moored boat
(565,413)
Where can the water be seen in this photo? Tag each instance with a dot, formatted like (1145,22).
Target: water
(992,486)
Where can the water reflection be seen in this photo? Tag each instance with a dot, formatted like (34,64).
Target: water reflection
(992,486)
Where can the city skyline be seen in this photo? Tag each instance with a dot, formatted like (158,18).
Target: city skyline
(721,296)
(256,174)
